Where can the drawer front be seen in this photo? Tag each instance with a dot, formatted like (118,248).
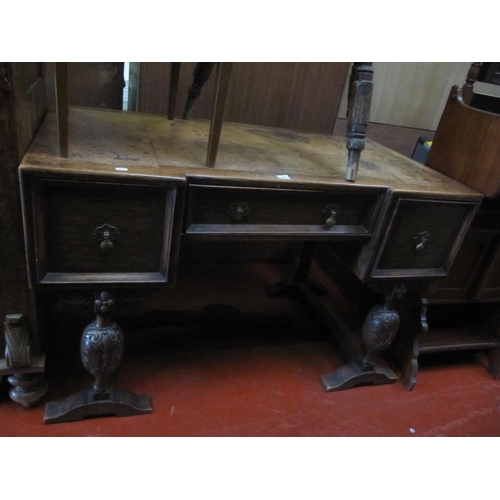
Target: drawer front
(96,232)
(230,210)
(422,238)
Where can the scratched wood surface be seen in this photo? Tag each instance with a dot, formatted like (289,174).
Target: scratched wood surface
(120,143)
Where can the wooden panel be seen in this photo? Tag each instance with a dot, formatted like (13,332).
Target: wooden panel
(444,223)
(96,84)
(467,146)
(301,96)
(280,211)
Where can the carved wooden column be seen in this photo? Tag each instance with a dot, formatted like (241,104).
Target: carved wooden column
(25,370)
(101,350)
(358,114)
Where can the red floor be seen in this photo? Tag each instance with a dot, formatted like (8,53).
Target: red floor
(262,383)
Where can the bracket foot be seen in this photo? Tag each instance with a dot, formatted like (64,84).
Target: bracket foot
(88,403)
(352,375)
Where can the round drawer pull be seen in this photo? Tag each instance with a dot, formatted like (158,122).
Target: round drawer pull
(421,240)
(330,214)
(238,211)
(106,234)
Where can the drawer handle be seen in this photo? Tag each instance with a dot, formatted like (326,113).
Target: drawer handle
(238,211)
(106,234)
(421,240)
(330,214)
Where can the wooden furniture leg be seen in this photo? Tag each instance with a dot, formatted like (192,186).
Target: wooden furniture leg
(101,351)
(221,90)
(358,114)
(175,71)
(26,372)
(379,328)
(62,104)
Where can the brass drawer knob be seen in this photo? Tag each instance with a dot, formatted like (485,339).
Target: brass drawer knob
(106,234)
(421,240)
(330,214)
(238,211)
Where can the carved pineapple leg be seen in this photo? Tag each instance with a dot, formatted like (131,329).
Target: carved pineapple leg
(379,329)
(26,371)
(101,351)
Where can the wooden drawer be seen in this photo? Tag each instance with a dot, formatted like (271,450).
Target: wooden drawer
(422,238)
(88,233)
(231,210)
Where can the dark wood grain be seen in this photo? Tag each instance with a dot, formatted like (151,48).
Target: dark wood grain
(96,84)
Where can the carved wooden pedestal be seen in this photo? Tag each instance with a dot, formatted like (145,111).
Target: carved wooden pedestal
(379,329)
(101,351)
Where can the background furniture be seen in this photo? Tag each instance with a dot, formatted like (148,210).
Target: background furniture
(462,308)
(22,107)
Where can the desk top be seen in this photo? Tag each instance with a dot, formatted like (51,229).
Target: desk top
(150,147)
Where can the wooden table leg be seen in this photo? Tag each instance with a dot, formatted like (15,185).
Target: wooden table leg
(221,90)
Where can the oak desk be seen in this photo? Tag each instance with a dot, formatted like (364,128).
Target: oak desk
(113,214)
